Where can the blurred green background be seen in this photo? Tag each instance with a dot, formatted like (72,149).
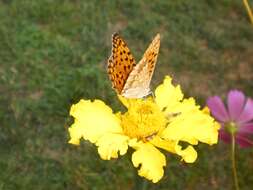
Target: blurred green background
(54,52)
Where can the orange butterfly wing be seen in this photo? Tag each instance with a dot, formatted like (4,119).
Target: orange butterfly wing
(120,63)
(151,55)
(137,84)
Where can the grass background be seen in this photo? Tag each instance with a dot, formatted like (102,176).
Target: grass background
(54,52)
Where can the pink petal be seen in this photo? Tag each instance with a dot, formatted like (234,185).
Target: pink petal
(217,108)
(246,128)
(247,113)
(236,102)
(224,136)
(243,140)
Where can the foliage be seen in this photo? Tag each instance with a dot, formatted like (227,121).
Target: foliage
(52,53)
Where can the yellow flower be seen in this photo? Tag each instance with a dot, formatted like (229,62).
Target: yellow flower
(150,124)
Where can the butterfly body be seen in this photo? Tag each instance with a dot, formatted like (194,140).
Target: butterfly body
(129,79)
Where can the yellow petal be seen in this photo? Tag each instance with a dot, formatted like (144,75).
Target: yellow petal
(206,110)
(189,154)
(166,145)
(129,102)
(167,95)
(75,134)
(150,160)
(110,144)
(124,101)
(191,125)
(92,120)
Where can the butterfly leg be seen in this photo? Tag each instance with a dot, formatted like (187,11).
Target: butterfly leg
(152,94)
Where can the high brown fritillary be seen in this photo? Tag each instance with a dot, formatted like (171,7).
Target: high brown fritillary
(128,79)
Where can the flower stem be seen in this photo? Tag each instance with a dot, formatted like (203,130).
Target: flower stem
(233,162)
(246,4)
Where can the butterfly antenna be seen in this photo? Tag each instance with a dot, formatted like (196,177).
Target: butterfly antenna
(152,94)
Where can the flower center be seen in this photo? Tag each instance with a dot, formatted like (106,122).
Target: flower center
(231,127)
(143,120)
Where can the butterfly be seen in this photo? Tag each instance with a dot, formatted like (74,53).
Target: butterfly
(129,79)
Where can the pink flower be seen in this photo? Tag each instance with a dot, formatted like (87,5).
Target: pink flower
(236,118)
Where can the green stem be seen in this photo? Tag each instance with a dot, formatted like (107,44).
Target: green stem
(233,162)
(246,4)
